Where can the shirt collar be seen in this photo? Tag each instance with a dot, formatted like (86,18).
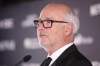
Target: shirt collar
(57,53)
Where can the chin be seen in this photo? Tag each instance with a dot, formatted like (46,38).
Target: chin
(44,45)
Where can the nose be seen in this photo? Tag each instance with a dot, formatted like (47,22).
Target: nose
(40,29)
(40,26)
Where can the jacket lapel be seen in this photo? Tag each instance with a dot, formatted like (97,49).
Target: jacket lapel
(59,60)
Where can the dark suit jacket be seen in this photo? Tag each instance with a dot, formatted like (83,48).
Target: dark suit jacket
(71,57)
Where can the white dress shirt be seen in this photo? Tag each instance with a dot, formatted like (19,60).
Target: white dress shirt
(57,53)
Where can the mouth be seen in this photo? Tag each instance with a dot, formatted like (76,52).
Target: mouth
(42,35)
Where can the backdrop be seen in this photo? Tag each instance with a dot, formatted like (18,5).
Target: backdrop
(18,37)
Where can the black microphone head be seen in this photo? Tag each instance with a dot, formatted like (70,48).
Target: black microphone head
(27,58)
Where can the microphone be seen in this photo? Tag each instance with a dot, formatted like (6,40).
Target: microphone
(25,59)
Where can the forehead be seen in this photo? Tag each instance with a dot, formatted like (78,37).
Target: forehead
(51,14)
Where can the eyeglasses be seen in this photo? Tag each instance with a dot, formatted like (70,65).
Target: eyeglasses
(46,23)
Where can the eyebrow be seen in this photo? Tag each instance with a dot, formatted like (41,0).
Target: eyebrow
(46,18)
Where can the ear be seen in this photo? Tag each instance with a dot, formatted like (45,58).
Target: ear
(69,29)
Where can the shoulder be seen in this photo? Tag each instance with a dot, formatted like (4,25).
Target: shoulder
(81,63)
(75,58)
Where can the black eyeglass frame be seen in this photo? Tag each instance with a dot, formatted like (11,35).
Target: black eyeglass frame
(51,22)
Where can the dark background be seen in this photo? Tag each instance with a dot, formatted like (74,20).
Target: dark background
(18,37)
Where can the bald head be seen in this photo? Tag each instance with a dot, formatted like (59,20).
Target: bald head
(57,8)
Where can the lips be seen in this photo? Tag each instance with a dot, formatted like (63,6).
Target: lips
(42,34)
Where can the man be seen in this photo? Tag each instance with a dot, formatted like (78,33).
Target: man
(56,28)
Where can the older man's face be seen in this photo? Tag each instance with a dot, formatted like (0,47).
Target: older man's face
(49,37)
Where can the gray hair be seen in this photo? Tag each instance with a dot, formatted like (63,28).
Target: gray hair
(71,17)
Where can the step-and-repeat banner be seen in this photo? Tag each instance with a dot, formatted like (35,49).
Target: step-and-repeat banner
(18,37)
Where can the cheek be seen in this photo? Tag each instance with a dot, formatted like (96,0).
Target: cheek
(51,35)
(58,33)
(54,34)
